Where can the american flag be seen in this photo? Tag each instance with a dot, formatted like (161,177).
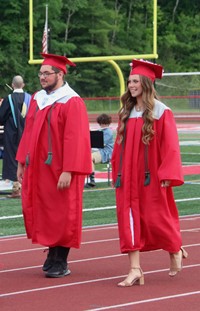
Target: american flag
(45,34)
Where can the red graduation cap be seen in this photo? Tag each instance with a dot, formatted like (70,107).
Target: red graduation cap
(147,69)
(57,61)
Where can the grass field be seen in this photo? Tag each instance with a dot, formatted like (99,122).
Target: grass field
(102,196)
(111,105)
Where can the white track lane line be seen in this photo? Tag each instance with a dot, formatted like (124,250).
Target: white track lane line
(83,243)
(39,289)
(145,301)
(87,259)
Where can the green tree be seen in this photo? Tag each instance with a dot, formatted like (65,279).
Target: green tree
(84,28)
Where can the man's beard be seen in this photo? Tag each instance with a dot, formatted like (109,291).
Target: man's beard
(51,87)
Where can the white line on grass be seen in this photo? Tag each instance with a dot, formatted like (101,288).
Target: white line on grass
(97,228)
(98,208)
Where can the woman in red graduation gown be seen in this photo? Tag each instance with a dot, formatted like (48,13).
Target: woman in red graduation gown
(146,165)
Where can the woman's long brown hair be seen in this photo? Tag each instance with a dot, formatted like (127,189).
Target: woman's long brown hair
(128,102)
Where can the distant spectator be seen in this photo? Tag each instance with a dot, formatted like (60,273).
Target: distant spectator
(102,155)
(13,110)
(1,139)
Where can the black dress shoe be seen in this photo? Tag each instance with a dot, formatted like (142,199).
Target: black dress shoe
(47,264)
(91,181)
(58,270)
(88,186)
(92,184)
(50,260)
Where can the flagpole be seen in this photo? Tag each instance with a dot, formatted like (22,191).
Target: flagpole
(45,33)
(47,24)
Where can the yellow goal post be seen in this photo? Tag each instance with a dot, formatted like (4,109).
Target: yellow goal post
(110,59)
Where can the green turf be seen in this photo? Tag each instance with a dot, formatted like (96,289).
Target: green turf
(100,197)
(103,195)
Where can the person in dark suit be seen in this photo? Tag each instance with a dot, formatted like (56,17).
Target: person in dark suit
(13,110)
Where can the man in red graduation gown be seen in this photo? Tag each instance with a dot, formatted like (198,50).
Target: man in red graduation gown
(53,159)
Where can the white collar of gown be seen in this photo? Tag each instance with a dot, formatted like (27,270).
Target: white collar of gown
(43,99)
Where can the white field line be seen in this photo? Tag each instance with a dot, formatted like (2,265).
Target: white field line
(191,153)
(39,289)
(98,208)
(97,228)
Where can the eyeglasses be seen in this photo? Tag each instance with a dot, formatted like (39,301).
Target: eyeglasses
(45,74)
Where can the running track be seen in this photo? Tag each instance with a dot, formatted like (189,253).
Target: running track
(96,268)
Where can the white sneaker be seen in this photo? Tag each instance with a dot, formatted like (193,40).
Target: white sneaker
(6,184)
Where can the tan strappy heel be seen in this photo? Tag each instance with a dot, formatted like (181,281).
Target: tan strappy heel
(135,276)
(176,261)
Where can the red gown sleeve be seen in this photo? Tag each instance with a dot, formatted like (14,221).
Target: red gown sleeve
(77,148)
(170,168)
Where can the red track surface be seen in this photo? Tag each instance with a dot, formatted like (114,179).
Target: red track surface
(96,269)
